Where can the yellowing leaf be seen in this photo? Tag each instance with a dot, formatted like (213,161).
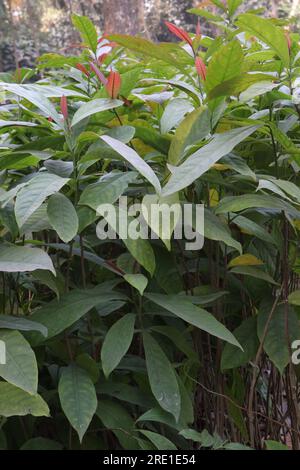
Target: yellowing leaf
(213,197)
(245,260)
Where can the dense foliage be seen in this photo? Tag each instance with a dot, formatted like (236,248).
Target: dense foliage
(142,344)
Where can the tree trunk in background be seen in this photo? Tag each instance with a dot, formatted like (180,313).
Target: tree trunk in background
(124,17)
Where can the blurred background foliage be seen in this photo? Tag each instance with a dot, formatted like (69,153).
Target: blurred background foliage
(29,28)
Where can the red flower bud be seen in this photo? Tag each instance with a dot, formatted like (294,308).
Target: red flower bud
(113,84)
(83,69)
(64,107)
(99,74)
(201,68)
(180,33)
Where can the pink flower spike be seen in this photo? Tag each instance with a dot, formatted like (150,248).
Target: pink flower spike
(64,107)
(201,68)
(288,40)
(99,74)
(180,33)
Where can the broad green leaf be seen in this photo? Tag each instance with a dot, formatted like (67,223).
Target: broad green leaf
(195,127)
(135,160)
(233,6)
(15,259)
(214,229)
(160,442)
(17,402)
(294,298)
(58,315)
(204,158)
(162,378)
(194,315)
(36,98)
(274,445)
(139,248)
(224,65)
(117,342)
(107,191)
(138,281)
(278,339)
(77,397)
(116,418)
(248,226)
(20,368)
(62,216)
(93,107)
(87,31)
(41,443)
(255,201)
(174,113)
(265,30)
(22,324)
(34,193)
(239,85)
(253,272)
(246,335)
(144,47)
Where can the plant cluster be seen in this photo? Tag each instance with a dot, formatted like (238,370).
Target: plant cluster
(142,344)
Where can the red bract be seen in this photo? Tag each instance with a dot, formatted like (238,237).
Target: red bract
(288,40)
(102,58)
(201,68)
(180,33)
(113,84)
(198,29)
(99,74)
(64,107)
(83,69)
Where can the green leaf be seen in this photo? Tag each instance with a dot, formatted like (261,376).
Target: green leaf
(17,402)
(93,107)
(214,229)
(35,97)
(274,445)
(62,217)
(77,397)
(20,259)
(116,418)
(265,30)
(162,378)
(20,368)
(87,31)
(233,6)
(224,65)
(255,201)
(277,344)
(246,335)
(195,127)
(194,315)
(134,159)
(294,298)
(174,113)
(160,442)
(23,324)
(204,158)
(41,443)
(58,315)
(138,281)
(253,272)
(34,193)
(117,342)
(145,47)
(107,191)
